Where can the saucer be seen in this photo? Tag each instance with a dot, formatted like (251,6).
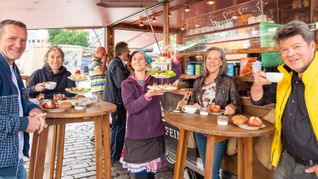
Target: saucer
(204,113)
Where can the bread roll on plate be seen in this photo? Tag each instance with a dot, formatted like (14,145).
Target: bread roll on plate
(240,119)
(255,121)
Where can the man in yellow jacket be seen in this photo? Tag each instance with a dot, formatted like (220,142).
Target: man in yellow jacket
(295,148)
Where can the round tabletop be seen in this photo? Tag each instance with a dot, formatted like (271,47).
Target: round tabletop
(208,125)
(101,108)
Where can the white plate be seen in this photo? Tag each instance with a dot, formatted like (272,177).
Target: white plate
(245,126)
(163,90)
(161,63)
(77,92)
(160,76)
(217,113)
(85,102)
(55,110)
(73,79)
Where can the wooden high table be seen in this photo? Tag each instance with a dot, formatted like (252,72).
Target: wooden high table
(99,114)
(208,125)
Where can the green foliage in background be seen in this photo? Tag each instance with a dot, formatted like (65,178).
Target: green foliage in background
(68,37)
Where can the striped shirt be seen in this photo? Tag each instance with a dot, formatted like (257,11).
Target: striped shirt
(96,76)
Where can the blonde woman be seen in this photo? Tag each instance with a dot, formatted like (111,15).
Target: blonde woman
(53,70)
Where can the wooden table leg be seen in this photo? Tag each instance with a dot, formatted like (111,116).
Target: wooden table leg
(98,147)
(184,153)
(35,139)
(181,153)
(209,156)
(106,145)
(40,154)
(53,157)
(248,157)
(60,150)
(240,149)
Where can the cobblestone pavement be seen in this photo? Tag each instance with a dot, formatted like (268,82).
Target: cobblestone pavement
(79,156)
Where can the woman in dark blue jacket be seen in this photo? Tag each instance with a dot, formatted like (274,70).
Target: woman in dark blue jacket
(144,142)
(51,71)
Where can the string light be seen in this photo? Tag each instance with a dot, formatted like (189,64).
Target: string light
(187,8)
(154,19)
(141,24)
(210,2)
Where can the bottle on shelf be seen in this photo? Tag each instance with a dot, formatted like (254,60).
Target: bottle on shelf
(190,69)
(230,69)
(198,69)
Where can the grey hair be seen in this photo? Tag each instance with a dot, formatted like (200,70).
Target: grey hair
(120,48)
(223,69)
(294,28)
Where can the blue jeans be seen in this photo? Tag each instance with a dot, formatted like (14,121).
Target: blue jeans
(219,149)
(22,174)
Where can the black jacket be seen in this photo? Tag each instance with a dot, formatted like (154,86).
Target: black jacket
(226,92)
(116,74)
(45,74)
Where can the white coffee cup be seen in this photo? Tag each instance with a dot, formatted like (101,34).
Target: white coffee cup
(189,109)
(257,66)
(261,18)
(274,77)
(50,85)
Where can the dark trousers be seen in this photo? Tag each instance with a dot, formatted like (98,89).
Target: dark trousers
(289,169)
(117,135)
(145,175)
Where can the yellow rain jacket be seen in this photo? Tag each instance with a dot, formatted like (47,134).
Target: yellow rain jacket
(310,80)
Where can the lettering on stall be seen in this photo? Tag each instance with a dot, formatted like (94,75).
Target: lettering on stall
(172,132)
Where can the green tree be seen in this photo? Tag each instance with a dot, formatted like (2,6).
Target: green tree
(68,37)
